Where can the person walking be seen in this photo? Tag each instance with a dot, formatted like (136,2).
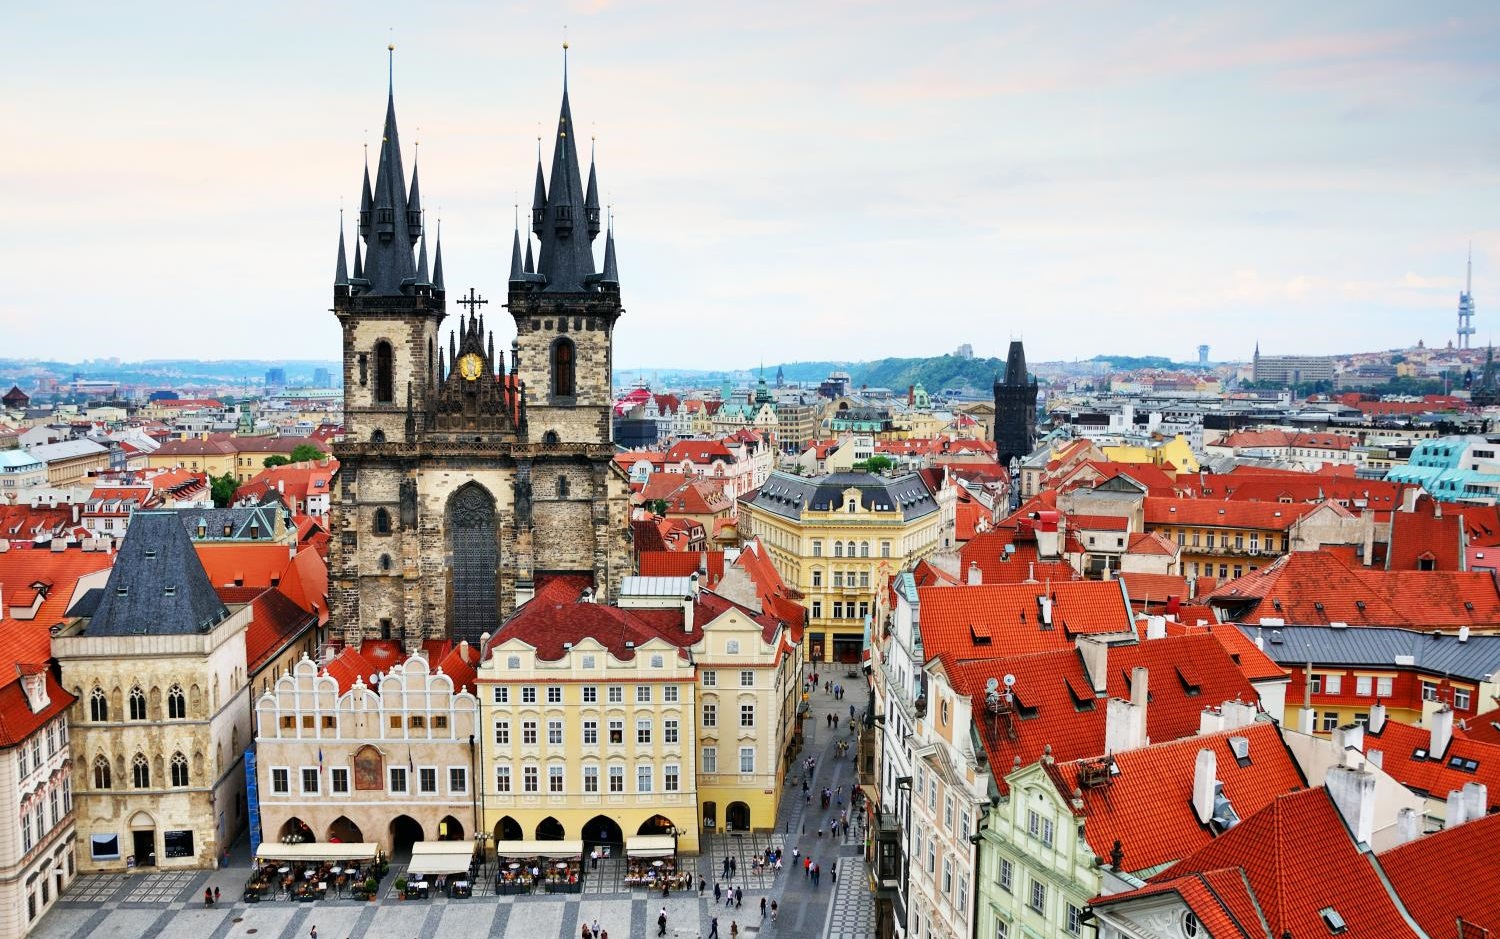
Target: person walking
(701,884)
(773,910)
(598,933)
(713,928)
(216,894)
(739,897)
(762,907)
(717,894)
(661,922)
(313,933)
(734,929)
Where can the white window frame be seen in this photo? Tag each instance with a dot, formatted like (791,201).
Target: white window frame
(644,774)
(436,781)
(286,788)
(747,678)
(591,779)
(671,778)
(505,783)
(390,780)
(747,752)
(710,761)
(317,778)
(670,694)
(463,771)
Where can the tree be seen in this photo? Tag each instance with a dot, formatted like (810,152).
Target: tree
(658,507)
(875,464)
(301,453)
(223,488)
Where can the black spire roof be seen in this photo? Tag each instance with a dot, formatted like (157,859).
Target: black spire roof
(437,262)
(341,269)
(158,586)
(566,224)
(1015,364)
(390,222)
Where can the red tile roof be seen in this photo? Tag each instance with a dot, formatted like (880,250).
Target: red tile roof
(274,621)
(1422,540)
(1153,588)
(990,620)
(1257,439)
(301,480)
(1296,585)
(1100,522)
(699,451)
(645,536)
(1148,803)
(1298,858)
(1209,513)
(17,721)
(376,657)
(1435,898)
(27,641)
(681,564)
(1432,774)
(777,599)
(1074,728)
(252,565)
(1151,542)
(1483,727)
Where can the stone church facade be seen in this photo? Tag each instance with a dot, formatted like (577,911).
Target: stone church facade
(466,476)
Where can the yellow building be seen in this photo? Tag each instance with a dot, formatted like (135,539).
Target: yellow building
(218,454)
(662,716)
(836,539)
(1177,451)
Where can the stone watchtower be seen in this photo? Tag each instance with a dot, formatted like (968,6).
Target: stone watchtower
(1015,408)
(461,482)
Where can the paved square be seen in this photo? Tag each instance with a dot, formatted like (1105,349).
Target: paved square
(170,904)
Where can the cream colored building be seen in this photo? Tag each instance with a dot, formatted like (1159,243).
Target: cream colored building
(37,849)
(162,716)
(663,715)
(837,538)
(375,747)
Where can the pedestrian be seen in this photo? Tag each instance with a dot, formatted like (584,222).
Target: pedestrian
(597,931)
(313,933)
(713,928)
(701,884)
(734,929)
(734,866)
(834,870)
(762,907)
(820,831)
(739,897)
(796,854)
(208,897)
(587,932)
(661,922)
(717,895)
(216,894)
(773,909)
(851,712)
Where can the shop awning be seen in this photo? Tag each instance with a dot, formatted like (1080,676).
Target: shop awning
(648,846)
(319,851)
(440,857)
(557,849)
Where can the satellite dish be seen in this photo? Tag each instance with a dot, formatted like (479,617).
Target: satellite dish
(1010,680)
(991,685)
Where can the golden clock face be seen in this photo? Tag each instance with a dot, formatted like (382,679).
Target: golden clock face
(469,366)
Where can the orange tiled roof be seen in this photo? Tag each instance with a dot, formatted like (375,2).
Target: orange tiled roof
(274,621)
(27,641)
(1148,803)
(1435,901)
(989,620)
(1298,858)
(1432,773)
(1423,539)
(1155,588)
(1099,522)
(681,564)
(17,722)
(1210,513)
(1185,674)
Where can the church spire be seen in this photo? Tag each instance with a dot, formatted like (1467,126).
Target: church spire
(517,272)
(423,278)
(341,270)
(611,273)
(437,260)
(538,197)
(591,199)
(389,265)
(530,267)
(565,258)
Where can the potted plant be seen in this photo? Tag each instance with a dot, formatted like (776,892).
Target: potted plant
(401,888)
(371,887)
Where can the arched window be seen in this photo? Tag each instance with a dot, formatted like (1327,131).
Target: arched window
(98,706)
(176,703)
(864,549)
(179,770)
(563,369)
(550,437)
(850,549)
(562,487)
(140,772)
(838,549)
(101,772)
(385,378)
(382,522)
(385,562)
(137,704)
(377,437)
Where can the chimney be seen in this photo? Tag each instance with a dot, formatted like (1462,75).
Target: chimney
(1408,826)
(1375,757)
(1353,791)
(1237,714)
(694,581)
(1140,692)
(1476,800)
(1442,732)
(1210,721)
(1306,718)
(976,576)
(1156,627)
(1351,737)
(1205,772)
(1095,655)
(1463,634)
(1122,726)
(1455,816)
(687,613)
(1377,718)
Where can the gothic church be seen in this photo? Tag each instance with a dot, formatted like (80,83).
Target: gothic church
(466,477)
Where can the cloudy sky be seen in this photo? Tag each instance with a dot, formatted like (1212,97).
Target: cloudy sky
(799,180)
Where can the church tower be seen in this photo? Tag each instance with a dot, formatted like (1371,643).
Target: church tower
(1015,409)
(564,310)
(466,481)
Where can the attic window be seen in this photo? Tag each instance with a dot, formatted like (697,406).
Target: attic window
(1332,919)
(1460,763)
(170,590)
(980,633)
(150,554)
(122,591)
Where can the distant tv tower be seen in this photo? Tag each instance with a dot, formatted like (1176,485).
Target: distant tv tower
(1466,304)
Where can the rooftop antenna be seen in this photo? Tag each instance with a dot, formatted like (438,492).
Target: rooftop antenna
(1469,277)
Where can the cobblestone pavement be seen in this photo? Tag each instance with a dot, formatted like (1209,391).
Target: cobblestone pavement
(169,904)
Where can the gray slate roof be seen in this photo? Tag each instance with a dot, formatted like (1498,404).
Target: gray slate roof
(158,586)
(786,495)
(239,518)
(1378,647)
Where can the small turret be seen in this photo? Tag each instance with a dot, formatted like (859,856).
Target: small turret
(414,208)
(611,273)
(517,272)
(437,263)
(591,201)
(341,269)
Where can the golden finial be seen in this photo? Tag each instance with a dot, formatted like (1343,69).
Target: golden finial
(391,47)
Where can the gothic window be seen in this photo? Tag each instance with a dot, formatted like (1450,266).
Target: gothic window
(385,378)
(364,369)
(550,437)
(176,703)
(179,770)
(563,369)
(140,772)
(98,706)
(382,522)
(377,436)
(474,557)
(385,562)
(562,487)
(101,772)
(137,704)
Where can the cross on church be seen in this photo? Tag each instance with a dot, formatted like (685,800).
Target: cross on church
(472,301)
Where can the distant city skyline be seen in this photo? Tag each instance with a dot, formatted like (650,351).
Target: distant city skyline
(792,182)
